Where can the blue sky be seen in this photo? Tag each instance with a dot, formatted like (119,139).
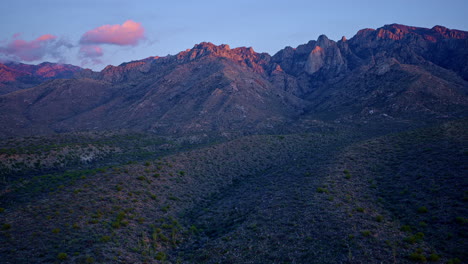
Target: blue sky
(173,26)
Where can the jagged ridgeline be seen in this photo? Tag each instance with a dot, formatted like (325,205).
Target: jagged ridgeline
(395,73)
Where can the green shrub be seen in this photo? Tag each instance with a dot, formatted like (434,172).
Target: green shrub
(416,256)
(56,230)
(62,256)
(121,216)
(163,238)
(434,257)
(6,226)
(322,190)
(166,226)
(454,261)
(105,239)
(347,174)
(165,208)
(360,209)
(415,238)
(366,233)
(379,218)
(406,228)
(173,198)
(161,256)
(461,220)
(141,178)
(422,210)
(119,220)
(193,229)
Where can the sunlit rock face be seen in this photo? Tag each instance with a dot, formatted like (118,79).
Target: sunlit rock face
(325,54)
(315,60)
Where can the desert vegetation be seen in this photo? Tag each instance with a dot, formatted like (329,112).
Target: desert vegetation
(399,197)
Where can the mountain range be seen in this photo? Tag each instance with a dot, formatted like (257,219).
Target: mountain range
(394,73)
(349,151)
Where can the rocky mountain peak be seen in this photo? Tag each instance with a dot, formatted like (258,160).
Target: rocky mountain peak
(323,41)
(305,49)
(50,70)
(126,70)
(394,32)
(208,46)
(223,50)
(440,29)
(364,33)
(245,56)
(325,54)
(450,33)
(399,32)
(203,49)
(245,51)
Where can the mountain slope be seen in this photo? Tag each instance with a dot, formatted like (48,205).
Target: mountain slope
(32,111)
(208,88)
(209,92)
(17,76)
(304,198)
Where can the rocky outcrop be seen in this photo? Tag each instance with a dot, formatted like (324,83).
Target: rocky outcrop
(399,32)
(412,45)
(315,61)
(326,55)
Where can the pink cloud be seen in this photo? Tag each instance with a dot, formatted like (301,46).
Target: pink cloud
(91,51)
(45,45)
(90,54)
(127,34)
(46,37)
